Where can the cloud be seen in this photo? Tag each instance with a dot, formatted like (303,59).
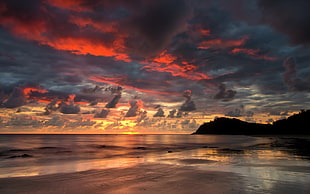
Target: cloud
(290,77)
(255,53)
(189,104)
(35,21)
(96,89)
(224,94)
(142,116)
(179,114)
(52,106)
(249,114)
(171,113)
(154,49)
(101,28)
(155,24)
(289,17)
(240,112)
(117,91)
(168,63)
(234,113)
(278,113)
(22,120)
(15,99)
(159,113)
(124,84)
(222,43)
(69,108)
(55,121)
(103,114)
(134,108)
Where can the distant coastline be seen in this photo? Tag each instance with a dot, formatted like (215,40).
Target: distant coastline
(297,124)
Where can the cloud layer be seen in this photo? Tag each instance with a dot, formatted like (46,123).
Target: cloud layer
(109,53)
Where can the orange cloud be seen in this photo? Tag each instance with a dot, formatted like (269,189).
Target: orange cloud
(221,43)
(83,46)
(109,80)
(165,63)
(29,90)
(185,71)
(205,32)
(164,58)
(255,53)
(41,30)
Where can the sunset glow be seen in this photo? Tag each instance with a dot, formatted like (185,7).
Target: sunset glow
(147,67)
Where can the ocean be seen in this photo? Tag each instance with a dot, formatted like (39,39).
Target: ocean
(260,159)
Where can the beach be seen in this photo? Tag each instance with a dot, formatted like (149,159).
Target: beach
(153,164)
(146,178)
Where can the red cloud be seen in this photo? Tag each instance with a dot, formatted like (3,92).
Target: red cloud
(185,71)
(221,43)
(254,53)
(83,46)
(29,90)
(205,32)
(71,34)
(74,5)
(102,26)
(164,58)
(166,63)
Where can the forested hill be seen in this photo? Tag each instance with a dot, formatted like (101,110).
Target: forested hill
(295,124)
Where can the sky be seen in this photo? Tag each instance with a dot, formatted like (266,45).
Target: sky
(150,66)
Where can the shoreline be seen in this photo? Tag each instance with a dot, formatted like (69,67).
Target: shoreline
(223,169)
(151,178)
(142,178)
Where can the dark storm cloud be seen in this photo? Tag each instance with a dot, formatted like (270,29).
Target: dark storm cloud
(64,45)
(172,113)
(160,113)
(134,108)
(32,64)
(69,109)
(224,94)
(239,113)
(179,114)
(55,71)
(256,49)
(289,17)
(142,116)
(156,24)
(102,114)
(117,91)
(15,99)
(95,89)
(189,104)
(153,23)
(234,113)
(50,107)
(290,77)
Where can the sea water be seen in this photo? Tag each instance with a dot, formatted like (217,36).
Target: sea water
(251,157)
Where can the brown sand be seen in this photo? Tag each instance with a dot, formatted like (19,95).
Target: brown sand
(144,178)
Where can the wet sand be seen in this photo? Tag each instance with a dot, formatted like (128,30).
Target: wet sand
(144,178)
